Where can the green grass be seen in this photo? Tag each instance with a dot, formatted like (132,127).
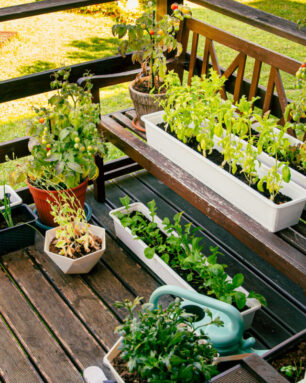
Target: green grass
(49,41)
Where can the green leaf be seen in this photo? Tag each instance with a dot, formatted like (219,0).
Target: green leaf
(165,258)
(286,173)
(240,299)
(149,252)
(237,280)
(75,167)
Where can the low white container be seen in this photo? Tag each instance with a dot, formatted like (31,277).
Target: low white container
(14,197)
(159,267)
(81,265)
(273,217)
(108,360)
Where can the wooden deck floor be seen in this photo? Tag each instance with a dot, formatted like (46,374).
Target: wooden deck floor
(53,325)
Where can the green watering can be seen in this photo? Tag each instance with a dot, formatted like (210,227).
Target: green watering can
(227,340)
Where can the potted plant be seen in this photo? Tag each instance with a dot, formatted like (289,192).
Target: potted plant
(196,132)
(158,345)
(175,255)
(16,225)
(151,40)
(64,140)
(75,245)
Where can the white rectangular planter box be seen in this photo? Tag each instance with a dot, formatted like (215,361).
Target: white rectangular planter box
(14,197)
(81,265)
(273,217)
(108,360)
(159,267)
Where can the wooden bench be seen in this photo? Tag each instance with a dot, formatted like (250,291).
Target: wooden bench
(285,250)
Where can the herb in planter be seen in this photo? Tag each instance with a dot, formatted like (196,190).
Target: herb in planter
(161,346)
(197,113)
(182,251)
(73,236)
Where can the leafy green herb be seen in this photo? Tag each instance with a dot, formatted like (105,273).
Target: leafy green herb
(162,346)
(179,247)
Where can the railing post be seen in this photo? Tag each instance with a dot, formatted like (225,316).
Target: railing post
(164,6)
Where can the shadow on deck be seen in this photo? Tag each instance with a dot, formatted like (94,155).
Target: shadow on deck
(54,325)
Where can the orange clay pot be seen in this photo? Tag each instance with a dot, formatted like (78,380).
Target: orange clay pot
(43,207)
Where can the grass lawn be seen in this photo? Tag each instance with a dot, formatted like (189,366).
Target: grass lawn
(65,38)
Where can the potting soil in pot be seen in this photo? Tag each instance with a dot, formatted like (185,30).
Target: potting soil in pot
(295,357)
(129,377)
(17,219)
(80,252)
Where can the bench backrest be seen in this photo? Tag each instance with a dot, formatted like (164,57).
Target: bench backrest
(236,84)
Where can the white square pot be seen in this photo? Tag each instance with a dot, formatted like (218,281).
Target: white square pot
(14,197)
(273,217)
(81,265)
(159,267)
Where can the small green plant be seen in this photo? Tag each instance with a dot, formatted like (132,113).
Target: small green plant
(6,211)
(64,137)
(191,111)
(275,143)
(179,247)
(162,346)
(73,236)
(293,371)
(151,40)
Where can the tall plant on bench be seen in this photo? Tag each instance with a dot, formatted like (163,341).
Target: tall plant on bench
(150,40)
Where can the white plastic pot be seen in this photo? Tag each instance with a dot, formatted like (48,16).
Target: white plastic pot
(270,215)
(14,197)
(108,360)
(81,265)
(159,267)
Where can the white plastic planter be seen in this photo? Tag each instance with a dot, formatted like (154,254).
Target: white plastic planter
(273,217)
(81,265)
(14,197)
(108,360)
(159,267)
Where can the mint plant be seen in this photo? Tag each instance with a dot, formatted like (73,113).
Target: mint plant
(162,346)
(181,249)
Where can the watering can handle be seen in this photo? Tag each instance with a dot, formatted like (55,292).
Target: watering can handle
(232,313)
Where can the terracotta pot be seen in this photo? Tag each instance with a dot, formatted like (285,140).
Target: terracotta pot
(40,197)
(144,103)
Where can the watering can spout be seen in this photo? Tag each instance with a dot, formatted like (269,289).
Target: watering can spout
(227,339)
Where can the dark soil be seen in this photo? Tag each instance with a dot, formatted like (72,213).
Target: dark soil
(295,357)
(142,85)
(41,184)
(129,377)
(81,252)
(17,219)
(217,158)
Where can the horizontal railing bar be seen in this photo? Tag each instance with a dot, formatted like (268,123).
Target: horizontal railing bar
(257,18)
(30,85)
(17,148)
(43,7)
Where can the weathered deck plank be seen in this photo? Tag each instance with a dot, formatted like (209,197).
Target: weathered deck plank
(72,334)
(92,311)
(15,366)
(47,354)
